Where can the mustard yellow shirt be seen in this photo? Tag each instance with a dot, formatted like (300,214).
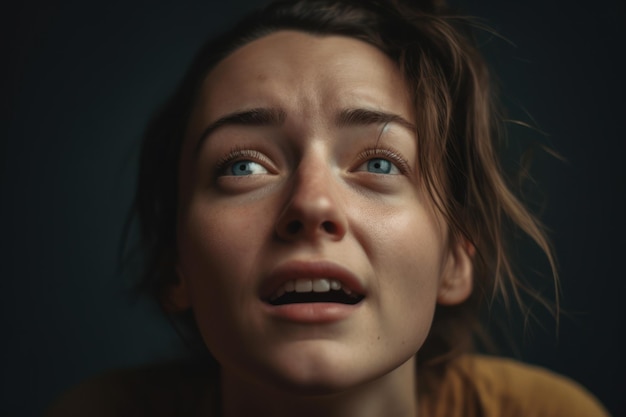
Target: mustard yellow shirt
(471,386)
(484,386)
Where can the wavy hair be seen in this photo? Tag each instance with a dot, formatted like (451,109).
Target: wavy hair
(458,130)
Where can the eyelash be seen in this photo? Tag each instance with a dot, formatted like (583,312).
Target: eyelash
(369,153)
(387,152)
(236,154)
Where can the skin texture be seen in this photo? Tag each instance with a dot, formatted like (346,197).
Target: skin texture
(312,194)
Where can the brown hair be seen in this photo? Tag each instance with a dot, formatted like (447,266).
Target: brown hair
(457,129)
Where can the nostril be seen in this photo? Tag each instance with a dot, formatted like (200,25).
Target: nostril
(294,227)
(329,227)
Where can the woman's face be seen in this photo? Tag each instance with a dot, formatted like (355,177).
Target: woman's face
(308,251)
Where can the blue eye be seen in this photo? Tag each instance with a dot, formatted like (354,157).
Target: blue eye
(379,166)
(246,167)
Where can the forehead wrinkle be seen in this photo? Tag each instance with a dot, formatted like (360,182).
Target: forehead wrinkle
(262,116)
(366,116)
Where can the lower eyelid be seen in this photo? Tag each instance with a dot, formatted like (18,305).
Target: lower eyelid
(391,155)
(228,170)
(394,167)
(225,163)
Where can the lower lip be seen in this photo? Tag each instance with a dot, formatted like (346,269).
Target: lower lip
(312,313)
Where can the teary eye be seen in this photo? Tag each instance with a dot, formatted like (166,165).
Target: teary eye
(242,163)
(379,166)
(245,167)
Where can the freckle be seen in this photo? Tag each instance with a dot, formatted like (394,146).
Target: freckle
(378,338)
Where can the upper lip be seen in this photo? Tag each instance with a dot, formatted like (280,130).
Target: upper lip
(293,270)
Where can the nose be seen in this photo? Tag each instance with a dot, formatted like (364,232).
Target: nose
(314,208)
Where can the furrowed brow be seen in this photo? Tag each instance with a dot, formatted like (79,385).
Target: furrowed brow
(356,117)
(251,117)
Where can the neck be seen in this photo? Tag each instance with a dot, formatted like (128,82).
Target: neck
(391,395)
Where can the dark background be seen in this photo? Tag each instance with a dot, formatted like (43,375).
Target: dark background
(79,82)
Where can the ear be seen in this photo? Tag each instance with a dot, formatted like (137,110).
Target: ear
(458,277)
(175,298)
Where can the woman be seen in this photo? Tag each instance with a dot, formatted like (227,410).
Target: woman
(322,203)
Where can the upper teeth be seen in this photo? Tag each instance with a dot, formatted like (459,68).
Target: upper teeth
(309,285)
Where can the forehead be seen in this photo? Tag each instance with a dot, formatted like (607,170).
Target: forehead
(303,73)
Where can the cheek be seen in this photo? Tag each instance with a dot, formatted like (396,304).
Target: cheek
(219,240)
(221,253)
(410,244)
(217,254)
(409,260)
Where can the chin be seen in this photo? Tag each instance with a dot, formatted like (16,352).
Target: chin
(315,384)
(322,375)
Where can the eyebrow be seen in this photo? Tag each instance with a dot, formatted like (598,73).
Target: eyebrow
(251,117)
(360,116)
(277,116)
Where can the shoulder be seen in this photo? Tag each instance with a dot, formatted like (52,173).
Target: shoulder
(508,387)
(158,390)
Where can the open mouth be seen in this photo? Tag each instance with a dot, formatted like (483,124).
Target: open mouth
(319,290)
